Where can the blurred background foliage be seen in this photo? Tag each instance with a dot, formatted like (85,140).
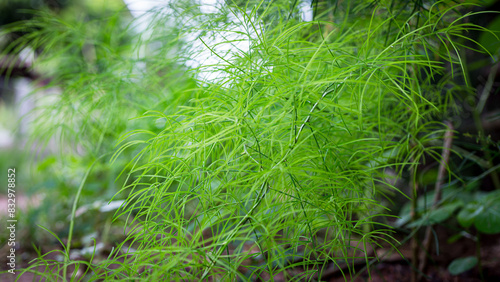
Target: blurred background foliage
(50,170)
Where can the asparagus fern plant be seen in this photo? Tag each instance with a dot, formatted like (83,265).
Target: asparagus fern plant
(276,161)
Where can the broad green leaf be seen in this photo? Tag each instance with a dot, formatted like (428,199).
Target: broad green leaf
(462,264)
(489,221)
(428,177)
(467,215)
(436,216)
(453,238)
(403,219)
(490,41)
(404,216)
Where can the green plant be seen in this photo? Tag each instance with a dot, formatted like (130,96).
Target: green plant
(276,164)
(474,210)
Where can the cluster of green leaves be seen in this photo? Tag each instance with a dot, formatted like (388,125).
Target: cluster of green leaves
(482,212)
(275,165)
(475,212)
(475,208)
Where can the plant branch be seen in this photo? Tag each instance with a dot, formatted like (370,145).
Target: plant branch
(262,194)
(73,214)
(413,212)
(445,156)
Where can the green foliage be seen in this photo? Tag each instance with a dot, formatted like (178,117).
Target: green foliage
(483,212)
(461,265)
(472,208)
(274,164)
(490,40)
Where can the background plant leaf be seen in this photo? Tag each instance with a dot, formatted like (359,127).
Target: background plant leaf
(461,265)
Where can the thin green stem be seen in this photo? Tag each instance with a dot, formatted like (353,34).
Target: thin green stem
(73,213)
